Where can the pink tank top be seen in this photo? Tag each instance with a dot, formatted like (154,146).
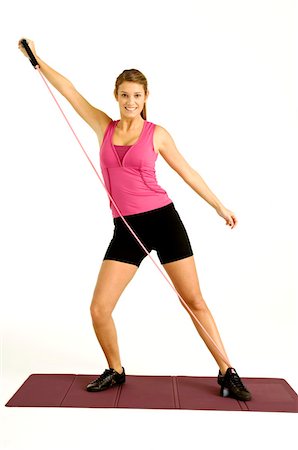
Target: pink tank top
(129,173)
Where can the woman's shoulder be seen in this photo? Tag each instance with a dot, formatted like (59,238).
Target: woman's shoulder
(159,130)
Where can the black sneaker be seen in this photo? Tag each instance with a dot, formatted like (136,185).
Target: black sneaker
(107,379)
(231,385)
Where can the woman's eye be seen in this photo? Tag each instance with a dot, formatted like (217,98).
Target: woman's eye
(137,95)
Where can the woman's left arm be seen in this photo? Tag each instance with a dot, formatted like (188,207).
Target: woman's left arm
(173,157)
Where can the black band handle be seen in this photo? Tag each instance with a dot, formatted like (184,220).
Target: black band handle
(30,54)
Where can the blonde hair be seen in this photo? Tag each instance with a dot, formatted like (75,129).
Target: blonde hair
(137,77)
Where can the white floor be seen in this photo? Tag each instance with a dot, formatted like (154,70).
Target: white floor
(76,428)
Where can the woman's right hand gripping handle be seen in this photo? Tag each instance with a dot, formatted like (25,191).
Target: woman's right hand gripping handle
(61,83)
(31,45)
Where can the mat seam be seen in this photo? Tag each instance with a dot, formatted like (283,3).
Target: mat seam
(176,393)
(118,396)
(68,390)
(173,390)
(247,406)
(242,404)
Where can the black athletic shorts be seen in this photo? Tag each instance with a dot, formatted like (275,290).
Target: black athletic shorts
(159,229)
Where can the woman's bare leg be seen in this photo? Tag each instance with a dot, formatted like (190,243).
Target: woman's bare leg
(112,279)
(185,279)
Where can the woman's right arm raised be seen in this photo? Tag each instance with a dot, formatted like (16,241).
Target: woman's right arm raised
(97,119)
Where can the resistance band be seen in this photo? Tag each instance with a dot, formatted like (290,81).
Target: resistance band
(36,66)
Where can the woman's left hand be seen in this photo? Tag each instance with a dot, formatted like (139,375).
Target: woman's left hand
(228,215)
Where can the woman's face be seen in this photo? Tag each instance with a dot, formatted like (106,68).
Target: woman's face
(131,98)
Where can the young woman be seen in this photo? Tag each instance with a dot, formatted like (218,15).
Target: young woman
(129,148)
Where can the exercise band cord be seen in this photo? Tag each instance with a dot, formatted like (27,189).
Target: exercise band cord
(36,66)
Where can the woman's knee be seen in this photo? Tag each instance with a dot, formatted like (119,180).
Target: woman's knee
(101,306)
(196,302)
(99,312)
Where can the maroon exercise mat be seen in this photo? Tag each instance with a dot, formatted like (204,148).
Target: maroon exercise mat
(153,392)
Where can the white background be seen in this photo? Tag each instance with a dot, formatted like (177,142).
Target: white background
(223,81)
